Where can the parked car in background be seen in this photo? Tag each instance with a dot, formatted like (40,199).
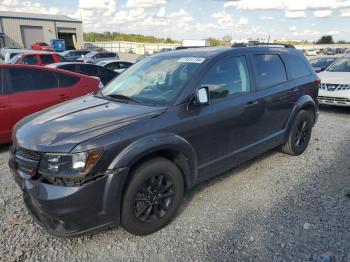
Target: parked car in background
(311,52)
(129,154)
(41,46)
(339,50)
(329,51)
(37,58)
(335,83)
(104,74)
(27,89)
(116,65)
(321,64)
(73,55)
(6,54)
(95,57)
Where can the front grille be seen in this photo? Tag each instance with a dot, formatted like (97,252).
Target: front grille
(334,87)
(27,161)
(335,100)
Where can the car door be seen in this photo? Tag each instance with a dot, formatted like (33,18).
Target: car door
(274,94)
(220,130)
(33,90)
(5,116)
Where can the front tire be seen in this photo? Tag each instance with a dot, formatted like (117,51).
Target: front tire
(299,135)
(152,197)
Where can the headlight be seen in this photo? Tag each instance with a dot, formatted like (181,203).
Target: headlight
(69,165)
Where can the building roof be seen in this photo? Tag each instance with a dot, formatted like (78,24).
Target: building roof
(35,16)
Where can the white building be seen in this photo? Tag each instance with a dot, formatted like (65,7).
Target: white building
(19,29)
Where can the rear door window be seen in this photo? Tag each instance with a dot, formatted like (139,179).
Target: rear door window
(47,59)
(269,70)
(66,80)
(30,60)
(25,79)
(69,67)
(297,68)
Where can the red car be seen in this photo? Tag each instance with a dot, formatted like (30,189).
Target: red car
(28,89)
(41,46)
(37,58)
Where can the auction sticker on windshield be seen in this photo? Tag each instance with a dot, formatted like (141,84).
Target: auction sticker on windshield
(197,60)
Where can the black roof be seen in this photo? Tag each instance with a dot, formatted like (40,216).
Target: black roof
(209,52)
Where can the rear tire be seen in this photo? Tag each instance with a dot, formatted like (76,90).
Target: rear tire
(152,197)
(299,135)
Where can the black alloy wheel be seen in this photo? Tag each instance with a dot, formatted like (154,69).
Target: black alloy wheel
(153,199)
(152,196)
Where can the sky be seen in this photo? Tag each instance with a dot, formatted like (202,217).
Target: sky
(198,19)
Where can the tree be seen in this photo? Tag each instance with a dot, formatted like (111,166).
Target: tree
(326,39)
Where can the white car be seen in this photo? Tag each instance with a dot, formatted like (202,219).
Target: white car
(118,66)
(335,83)
(6,54)
(311,52)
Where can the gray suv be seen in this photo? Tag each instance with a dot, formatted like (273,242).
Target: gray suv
(95,57)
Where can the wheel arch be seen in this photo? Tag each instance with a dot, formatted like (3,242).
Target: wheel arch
(305,102)
(169,146)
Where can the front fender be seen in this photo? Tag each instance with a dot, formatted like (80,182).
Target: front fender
(304,102)
(153,143)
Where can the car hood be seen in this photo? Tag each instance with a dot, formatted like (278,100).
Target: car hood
(62,127)
(328,77)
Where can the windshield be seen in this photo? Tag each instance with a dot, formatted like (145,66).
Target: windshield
(91,54)
(341,65)
(321,62)
(155,81)
(15,59)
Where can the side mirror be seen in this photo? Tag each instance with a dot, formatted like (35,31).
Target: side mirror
(202,96)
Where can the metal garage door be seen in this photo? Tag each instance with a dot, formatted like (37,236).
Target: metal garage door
(31,35)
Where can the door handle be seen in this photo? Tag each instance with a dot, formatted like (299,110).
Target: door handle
(251,104)
(293,90)
(63,97)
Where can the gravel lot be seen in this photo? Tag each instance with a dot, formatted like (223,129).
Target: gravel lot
(274,208)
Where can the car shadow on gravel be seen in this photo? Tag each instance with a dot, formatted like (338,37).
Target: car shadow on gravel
(308,222)
(4,148)
(335,110)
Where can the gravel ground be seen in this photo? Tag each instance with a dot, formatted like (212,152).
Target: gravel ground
(274,208)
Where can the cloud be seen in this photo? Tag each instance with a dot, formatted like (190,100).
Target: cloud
(345,12)
(144,3)
(295,14)
(26,6)
(161,12)
(293,28)
(323,13)
(243,21)
(267,18)
(287,5)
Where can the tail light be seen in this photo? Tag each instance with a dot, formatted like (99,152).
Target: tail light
(318,82)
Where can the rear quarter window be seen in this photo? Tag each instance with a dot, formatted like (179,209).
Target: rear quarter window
(296,67)
(269,70)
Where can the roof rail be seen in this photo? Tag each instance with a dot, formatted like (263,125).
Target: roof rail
(261,44)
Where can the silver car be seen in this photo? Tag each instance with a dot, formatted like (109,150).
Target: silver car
(95,57)
(6,54)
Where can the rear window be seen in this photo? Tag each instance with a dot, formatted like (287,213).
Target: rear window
(269,70)
(90,70)
(296,67)
(47,59)
(67,80)
(24,79)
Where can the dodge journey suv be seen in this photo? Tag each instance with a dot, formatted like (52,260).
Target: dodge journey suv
(128,154)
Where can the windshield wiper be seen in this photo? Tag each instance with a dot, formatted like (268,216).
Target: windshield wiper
(123,97)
